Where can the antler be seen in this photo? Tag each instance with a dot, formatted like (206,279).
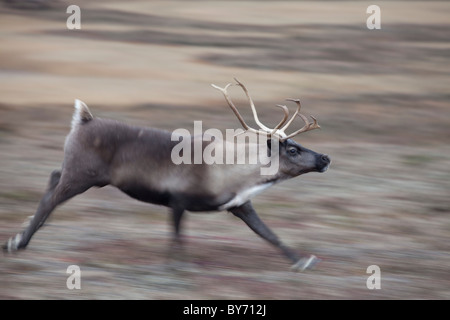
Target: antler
(276,131)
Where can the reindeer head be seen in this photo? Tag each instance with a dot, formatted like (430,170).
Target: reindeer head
(294,159)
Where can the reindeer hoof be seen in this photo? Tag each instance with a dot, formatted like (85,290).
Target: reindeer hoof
(305,263)
(12,244)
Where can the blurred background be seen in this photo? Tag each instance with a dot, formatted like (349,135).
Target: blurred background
(380,96)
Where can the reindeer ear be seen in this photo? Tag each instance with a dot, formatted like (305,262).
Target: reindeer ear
(269,145)
(270,141)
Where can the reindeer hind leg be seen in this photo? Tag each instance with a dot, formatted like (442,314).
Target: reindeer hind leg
(60,188)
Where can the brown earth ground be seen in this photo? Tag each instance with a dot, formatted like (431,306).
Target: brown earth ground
(381,97)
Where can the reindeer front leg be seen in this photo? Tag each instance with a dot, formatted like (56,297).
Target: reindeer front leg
(247,213)
(176,250)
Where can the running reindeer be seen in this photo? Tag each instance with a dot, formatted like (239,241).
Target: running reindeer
(100,152)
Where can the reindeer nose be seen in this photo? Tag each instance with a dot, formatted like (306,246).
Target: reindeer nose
(325,158)
(323,163)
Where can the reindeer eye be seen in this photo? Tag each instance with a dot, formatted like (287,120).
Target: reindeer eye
(292,151)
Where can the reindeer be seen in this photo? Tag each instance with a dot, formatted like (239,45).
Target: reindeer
(136,160)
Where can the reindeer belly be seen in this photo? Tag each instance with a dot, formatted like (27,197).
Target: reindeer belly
(185,200)
(145,194)
(204,202)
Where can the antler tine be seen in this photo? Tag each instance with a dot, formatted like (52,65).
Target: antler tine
(307,127)
(252,105)
(286,115)
(299,106)
(314,125)
(230,103)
